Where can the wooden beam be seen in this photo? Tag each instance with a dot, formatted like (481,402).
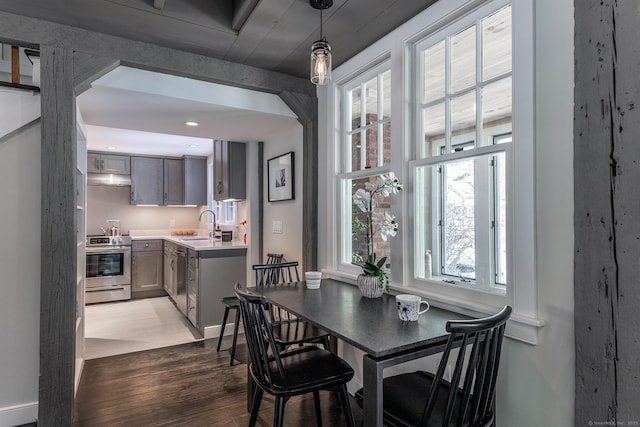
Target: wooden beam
(606,212)
(15,65)
(306,108)
(58,233)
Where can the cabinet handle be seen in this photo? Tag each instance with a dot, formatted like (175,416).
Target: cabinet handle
(97,162)
(102,165)
(220,187)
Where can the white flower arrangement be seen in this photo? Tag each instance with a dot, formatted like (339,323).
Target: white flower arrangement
(367,200)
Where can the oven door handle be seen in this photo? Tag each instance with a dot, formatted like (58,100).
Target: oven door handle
(94,251)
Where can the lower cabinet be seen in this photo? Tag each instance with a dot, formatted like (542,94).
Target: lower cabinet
(170,269)
(192,288)
(214,275)
(146,268)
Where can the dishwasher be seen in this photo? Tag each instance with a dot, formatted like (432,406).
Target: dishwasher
(181,279)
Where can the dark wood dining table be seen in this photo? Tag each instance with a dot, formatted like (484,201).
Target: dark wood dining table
(371,325)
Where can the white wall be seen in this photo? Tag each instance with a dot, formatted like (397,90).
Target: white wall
(19,264)
(536,383)
(289,212)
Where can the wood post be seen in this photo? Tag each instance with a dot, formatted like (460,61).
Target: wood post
(15,65)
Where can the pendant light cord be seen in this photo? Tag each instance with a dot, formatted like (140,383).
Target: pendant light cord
(321,37)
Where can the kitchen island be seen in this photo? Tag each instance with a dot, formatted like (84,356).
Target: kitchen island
(198,272)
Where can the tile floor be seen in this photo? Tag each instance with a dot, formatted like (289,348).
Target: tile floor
(135,325)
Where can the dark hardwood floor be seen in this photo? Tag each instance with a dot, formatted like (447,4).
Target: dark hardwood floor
(184,385)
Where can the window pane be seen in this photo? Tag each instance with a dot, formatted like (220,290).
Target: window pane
(463,60)
(371,149)
(434,73)
(463,118)
(433,128)
(500,219)
(386,94)
(359,225)
(458,219)
(496,44)
(386,143)
(424,226)
(356,155)
(371,104)
(355,97)
(496,108)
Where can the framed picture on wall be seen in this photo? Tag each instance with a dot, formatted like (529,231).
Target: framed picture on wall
(281,172)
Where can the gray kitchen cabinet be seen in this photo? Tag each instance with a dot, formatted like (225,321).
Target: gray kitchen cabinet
(215,276)
(146,267)
(195,180)
(170,268)
(192,287)
(229,170)
(108,163)
(146,181)
(174,182)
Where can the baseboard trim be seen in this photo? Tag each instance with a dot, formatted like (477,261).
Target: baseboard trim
(19,414)
(214,331)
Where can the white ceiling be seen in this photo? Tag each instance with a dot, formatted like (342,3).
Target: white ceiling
(143,112)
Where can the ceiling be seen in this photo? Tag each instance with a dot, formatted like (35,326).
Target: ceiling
(142,112)
(270,34)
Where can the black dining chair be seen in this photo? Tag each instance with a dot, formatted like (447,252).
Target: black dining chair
(296,371)
(287,328)
(424,399)
(231,303)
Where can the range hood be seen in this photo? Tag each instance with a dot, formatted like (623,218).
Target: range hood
(108,179)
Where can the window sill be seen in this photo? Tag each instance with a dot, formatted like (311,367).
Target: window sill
(520,327)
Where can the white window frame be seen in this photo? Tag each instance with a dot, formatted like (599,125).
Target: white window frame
(398,46)
(226,212)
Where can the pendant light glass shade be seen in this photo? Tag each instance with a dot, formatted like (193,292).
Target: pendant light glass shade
(320,62)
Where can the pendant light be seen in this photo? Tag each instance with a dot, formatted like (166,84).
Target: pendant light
(321,50)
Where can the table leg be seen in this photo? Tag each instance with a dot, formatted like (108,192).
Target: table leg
(372,392)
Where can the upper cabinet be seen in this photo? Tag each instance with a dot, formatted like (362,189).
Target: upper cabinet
(174,182)
(229,170)
(195,180)
(108,163)
(147,181)
(166,181)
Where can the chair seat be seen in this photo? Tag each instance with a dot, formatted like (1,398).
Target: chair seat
(402,408)
(297,331)
(230,301)
(307,369)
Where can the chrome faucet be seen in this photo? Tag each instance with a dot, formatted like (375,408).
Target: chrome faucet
(214,220)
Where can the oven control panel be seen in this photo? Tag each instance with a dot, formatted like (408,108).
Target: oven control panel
(108,240)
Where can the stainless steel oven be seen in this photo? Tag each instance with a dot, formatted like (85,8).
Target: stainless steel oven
(108,276)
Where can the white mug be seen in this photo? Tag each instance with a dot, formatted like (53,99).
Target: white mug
(409,307)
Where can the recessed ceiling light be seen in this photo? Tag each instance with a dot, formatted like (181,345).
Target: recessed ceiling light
(193,146)
(111,148)
(191,123)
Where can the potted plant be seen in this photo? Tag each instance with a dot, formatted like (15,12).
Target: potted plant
(374,280)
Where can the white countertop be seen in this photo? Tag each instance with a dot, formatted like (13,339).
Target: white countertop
(197,243)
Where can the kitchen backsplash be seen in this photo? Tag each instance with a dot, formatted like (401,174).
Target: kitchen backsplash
(105,203)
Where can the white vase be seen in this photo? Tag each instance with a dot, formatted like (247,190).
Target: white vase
(370,286)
